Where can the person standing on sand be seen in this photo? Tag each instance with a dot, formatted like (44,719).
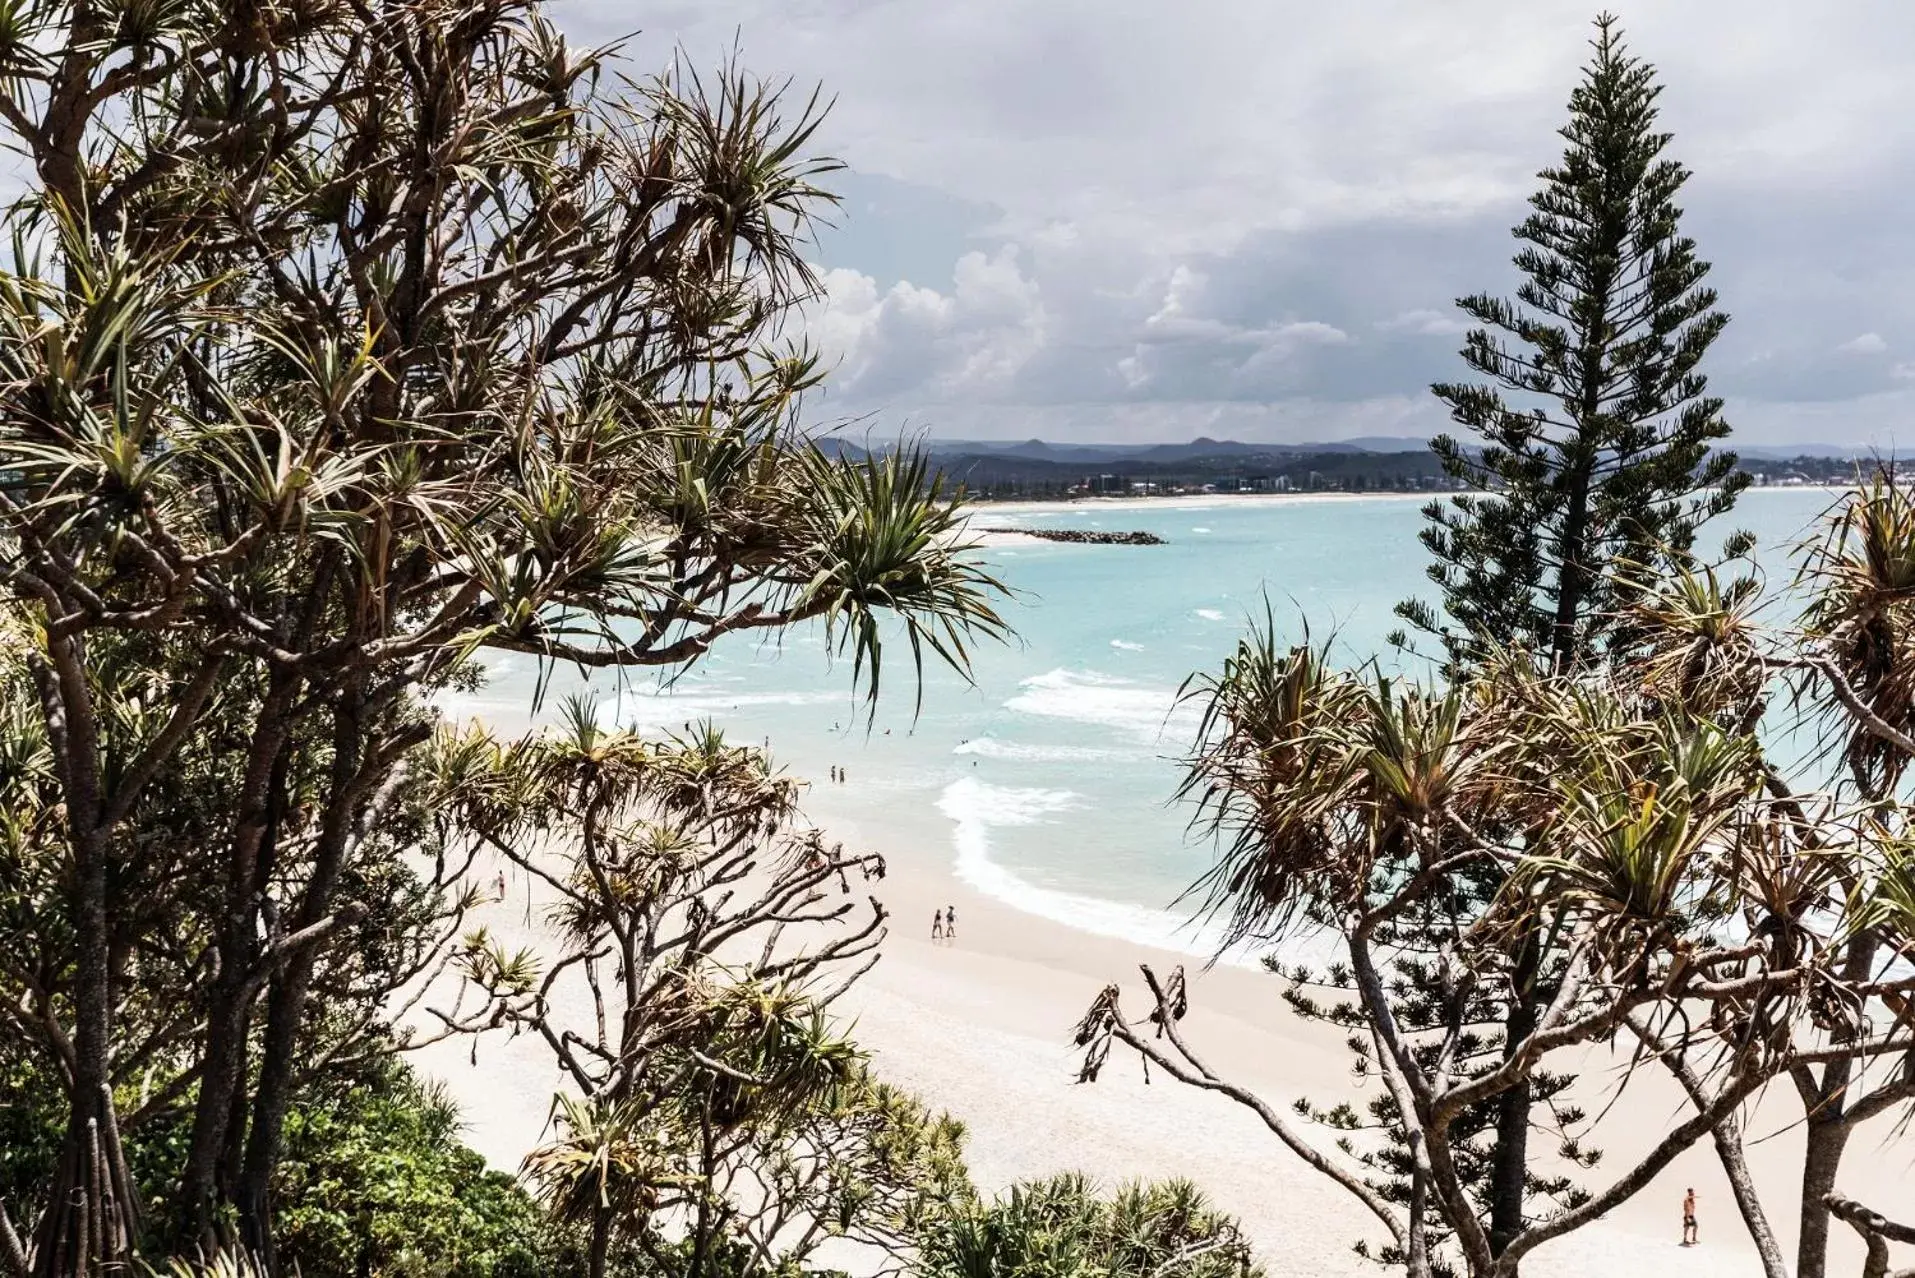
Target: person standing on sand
(950,923)
(937,926)
(1689,1218)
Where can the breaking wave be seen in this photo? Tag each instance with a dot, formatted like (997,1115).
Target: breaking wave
(975,809)
(1147,712)
(1020,752)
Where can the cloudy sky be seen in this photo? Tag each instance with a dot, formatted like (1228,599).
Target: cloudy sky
(1115,220)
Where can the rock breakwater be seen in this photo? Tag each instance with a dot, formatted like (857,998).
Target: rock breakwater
(1083,536)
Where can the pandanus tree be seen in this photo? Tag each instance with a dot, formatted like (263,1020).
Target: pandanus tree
(701,936)
(1064,1226)
(342,345)
(1857,662)
(1737,931)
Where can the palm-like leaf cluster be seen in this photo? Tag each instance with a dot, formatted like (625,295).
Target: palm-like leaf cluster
(1602,851)
(1701,650)
(1062,1227)
(340,346)
(1860,623)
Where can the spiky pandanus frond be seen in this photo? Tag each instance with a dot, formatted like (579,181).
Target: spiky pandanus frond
(227,1264)
(886,541)
(1695,644)
(1861,619)
(1884,900)
(1274,771)
(605,1156)
(1644,847)
(1422,760)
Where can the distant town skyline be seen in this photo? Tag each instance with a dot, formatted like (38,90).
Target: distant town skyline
(1120,222)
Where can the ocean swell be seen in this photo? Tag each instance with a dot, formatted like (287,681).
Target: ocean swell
(975,808)
(1147,712)
(1022,752)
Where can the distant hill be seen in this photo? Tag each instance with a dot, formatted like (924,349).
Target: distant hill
(1782,452)
(832,446)
(1220,453)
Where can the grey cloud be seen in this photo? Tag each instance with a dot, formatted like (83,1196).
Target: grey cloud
(893,230)
(1034,181)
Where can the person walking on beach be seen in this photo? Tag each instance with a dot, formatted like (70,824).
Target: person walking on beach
(937,926)
(501,885)
(1689,1218)
(950,923)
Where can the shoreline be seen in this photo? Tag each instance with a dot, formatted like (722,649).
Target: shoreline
(1180,501)
(981,1028)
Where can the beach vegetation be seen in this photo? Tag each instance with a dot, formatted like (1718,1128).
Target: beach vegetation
(1589,442)
(1063,1226)
(703,936)
(1730,906)
(344,350)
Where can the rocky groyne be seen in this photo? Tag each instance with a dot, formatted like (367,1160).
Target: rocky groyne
(1083,536)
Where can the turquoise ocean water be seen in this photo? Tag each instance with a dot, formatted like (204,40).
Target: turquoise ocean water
(1048,781)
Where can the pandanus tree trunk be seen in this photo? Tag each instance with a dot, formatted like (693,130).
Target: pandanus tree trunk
(1828,1133)
(359,762)
(90,1223)
(219,1115)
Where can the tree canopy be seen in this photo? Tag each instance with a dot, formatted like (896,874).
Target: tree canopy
(342,346)
(1590,441)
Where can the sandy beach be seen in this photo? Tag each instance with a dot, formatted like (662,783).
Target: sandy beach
(980,1027)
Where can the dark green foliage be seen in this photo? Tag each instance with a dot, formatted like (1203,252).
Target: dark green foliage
(1592,431)
(375,1179)
(1594,421)
(1061,1228)
(31,1112)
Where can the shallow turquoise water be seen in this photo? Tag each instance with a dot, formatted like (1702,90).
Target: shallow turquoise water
(1048,782)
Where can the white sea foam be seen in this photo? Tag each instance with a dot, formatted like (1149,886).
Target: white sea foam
(1126,645)
(1148,712)
(976,808)
(1210,614)
(668,708)
(1200,530)
(1023,752)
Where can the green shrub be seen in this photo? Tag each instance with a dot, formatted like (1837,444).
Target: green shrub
(375,1180)
(1061,1228)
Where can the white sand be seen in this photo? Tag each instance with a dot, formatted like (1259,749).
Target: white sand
(981,1027)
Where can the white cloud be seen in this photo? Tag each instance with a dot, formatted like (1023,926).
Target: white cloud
(909,338)
(1426,323)
(1866,344)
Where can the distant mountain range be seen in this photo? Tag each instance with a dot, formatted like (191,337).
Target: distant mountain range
(1069,454)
